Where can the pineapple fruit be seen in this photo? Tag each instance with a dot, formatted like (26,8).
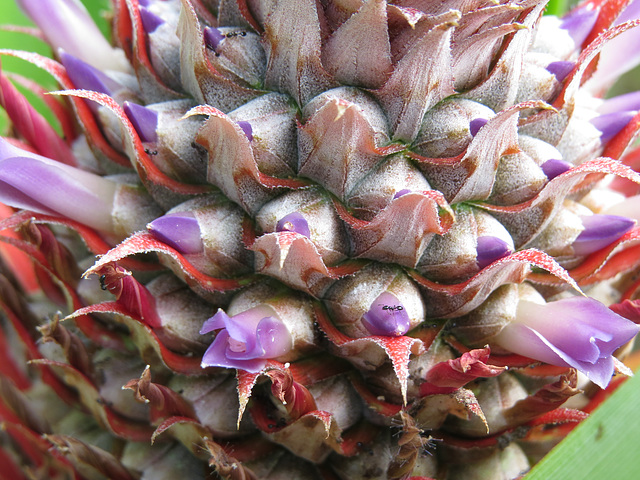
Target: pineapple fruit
(314,239)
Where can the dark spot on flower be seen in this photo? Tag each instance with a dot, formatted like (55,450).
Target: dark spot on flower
(103,285)
(150,152)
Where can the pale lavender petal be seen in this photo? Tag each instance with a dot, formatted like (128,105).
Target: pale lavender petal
(144,120)
(35,182)
(627,102)
(402,192)
(218,321)
(247,129)
(489,249)
(610,124)
(476,124)
(86,77)
(579,332)
(533,345)
(618,55)
(150,21)
(579,23)
(554,167)
(600,231)
(67,25)
(561,69)
(216,356)
(178,230)
(273,337)
(294,222)
(212,37)
(387,316)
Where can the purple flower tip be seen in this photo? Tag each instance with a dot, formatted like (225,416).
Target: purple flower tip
(600,231)
(387,317)
(212,37)
(294,222)
(178,230)
(610,124)
(246,340)
(402,192)
(85,76)
(150,21)
(577,332)
(621,103)
(476,124)
(144,120)
(579,23)
(246,128)
(561,69)
(490,249)
(554,167)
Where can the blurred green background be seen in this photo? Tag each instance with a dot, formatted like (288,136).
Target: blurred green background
(607,445)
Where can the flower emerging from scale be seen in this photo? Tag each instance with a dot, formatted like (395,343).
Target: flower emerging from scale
(577,332)
(246,340)
(306,225)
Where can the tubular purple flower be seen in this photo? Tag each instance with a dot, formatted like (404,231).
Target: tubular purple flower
(577,332)
(402,192)
(600,231)
(247,129)
(150,21)
(67,25)
(87,77)
(554,167)
(387,316)
(476,124)
(294,222)
(626,102)
(610,124)
(246,340)
(144,120)
(489,249)
(212,37)
(620,54)
(560,69)
(178,230)
(37,183)
(579,23)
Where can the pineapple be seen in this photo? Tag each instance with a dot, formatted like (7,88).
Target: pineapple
(301,239)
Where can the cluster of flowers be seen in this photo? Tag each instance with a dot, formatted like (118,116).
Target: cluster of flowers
(365,212)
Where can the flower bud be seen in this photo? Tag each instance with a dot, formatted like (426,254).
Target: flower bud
(447,128)
(357,303)
(576,332)
(262,323)
(193,228)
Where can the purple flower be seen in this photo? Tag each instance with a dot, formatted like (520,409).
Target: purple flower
(579,23)
(490,248)
(86,77)
(476,124)
(610,124)
(144,120)
(150,21)
(178,230)
(246,340)
(37,183)
(577,332)
(66,24)
(600,231)
(387,316)
(554,167)
(294,222)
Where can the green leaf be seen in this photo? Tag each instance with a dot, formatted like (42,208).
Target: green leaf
(605,446)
